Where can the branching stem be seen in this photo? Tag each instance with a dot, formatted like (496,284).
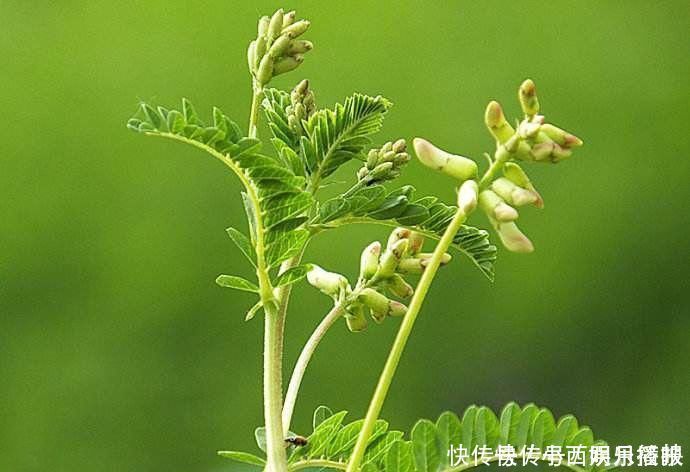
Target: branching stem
(401,340)
(303,361)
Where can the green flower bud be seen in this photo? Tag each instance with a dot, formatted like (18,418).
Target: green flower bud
(399,146)
(286,64)
(297,29)
(289,18)
(356,318)
(415,242)
(369,261)
(495,207)
(372,159)
(378,303)
(467,196)
(398,287)
(496,122)
(381,171)
(512,238)
(426,256)
(410,265)
(299,46)
(542,151)
(261,48)
(560,136)
(398,234)
(279,46)
(387,147)
(263,26)
(528,98)
(329,283)
(397,309)
(515,174)
(265,71)
(390,259)
(458,167)
(513,194)
(251,56)
(275,25)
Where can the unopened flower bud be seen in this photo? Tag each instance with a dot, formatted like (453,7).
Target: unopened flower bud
(251,56)
(265,71)
(397,309)
(355,318)
(299,46)
(512,238)
(426,257)
(542,151)
(286,64)
(369,260)
(410,265)
(263,26)
(496,122)
(275,25)
(513,194)
(495,207)
(261,48)
(297,29)
(458,167)
(528,98)
(415,242)
(329,283)
(396,235)
(279,46)
(560,136)
(399,146)
(467,196)
(390,259)
(398,287)
(289,18)
(377,303)
(515,174)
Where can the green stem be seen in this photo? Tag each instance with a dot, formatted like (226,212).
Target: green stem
(303,361)
(401,340)
(276,460)
(257,96)
(316,464)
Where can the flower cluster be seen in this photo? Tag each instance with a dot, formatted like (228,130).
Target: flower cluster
(382,276)
(302,106)
(532,140)
(276,49)
(384,163)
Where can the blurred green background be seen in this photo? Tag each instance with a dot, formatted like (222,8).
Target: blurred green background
(119,353)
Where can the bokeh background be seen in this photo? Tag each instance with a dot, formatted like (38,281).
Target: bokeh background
(119,353)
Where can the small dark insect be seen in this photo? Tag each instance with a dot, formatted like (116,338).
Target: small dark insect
(298,441)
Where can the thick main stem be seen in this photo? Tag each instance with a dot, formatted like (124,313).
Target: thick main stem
(401,340)
(303,361)
(276,460)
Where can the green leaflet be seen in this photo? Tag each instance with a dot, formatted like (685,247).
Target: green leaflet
(427,448)
(400,208)
(243,244)
(279,194)
(292,275)
(333,137)
(243,457)
(238,283)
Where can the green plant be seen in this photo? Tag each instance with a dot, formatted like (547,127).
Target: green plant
(284,211)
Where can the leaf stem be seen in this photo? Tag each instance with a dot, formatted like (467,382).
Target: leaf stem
(401,340)
(257,96)
(303,361)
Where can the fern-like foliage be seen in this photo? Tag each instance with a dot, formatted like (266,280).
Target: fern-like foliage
(274,197)
(331,137)
(400,207)
(426,449)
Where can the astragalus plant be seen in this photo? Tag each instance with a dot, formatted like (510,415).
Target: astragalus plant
(282,178)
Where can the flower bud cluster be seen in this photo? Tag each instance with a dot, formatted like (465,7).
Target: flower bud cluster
(276,49)
(381,278)
(499,203)
(384,163)
(302,106)
(534,140)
